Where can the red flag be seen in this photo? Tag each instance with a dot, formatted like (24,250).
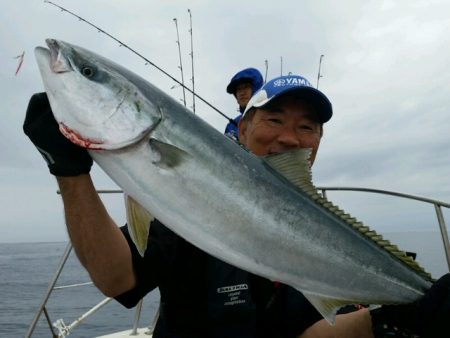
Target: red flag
(20,57)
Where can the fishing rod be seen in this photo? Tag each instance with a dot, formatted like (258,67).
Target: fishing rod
(181,63)
(318,73)
(148,62)
(192,61)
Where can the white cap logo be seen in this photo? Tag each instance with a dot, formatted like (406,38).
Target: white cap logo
(279,83)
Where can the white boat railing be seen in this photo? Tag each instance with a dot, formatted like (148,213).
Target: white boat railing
(436,203)
(65,330)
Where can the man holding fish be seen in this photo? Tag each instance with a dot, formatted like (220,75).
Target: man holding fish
(201,294)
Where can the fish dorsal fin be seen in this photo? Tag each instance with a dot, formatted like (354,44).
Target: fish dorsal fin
(138,220)
(294,166)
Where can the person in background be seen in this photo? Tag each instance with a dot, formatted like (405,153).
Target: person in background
(242,85)
(287,113)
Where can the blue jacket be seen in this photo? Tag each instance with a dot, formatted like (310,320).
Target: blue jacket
(256,80)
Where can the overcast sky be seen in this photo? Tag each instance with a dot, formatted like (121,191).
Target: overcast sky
(385,69)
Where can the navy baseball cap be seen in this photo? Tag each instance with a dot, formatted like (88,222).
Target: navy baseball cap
(251,75)
(295,85)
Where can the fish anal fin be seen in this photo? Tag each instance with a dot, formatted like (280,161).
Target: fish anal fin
(326,307)
(138,220)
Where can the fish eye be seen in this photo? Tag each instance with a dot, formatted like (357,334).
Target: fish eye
(88,71)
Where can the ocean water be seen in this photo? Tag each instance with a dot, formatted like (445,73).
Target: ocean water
(26,269)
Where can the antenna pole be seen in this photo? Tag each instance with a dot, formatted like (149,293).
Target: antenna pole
(192,61)
(266,63)
(318,74)
(181,63)
(281,66)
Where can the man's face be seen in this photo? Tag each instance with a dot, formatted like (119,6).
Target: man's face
(243,93)
(286,124)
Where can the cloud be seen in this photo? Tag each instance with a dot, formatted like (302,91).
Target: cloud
(384,69)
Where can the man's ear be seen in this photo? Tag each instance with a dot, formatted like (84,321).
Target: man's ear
(242,131)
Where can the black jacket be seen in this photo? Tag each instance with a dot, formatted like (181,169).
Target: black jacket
(202,296)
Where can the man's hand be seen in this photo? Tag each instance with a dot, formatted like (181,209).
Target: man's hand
(62,156)
(427,317)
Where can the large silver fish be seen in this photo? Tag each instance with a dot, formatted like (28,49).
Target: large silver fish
(260,214)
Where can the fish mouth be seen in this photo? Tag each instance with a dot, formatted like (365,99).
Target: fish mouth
(76,138)
(59,63)
(53,58)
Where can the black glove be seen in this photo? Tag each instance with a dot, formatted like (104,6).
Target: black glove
(428,317)
(63,157)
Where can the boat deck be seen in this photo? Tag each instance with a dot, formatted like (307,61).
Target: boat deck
(139,333)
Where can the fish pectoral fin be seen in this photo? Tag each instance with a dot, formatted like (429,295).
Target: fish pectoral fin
(138,220)
(166,155)
(293,165)
(327,307)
